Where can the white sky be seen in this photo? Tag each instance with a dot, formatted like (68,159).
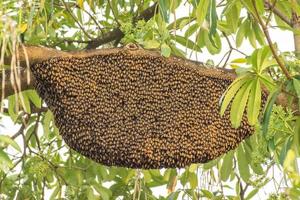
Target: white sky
(284,40)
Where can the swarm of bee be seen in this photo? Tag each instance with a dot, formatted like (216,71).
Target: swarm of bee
(134,108)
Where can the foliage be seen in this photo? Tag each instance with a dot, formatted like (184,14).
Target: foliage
(36,164)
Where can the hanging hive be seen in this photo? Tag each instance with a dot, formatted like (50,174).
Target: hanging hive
(137,109)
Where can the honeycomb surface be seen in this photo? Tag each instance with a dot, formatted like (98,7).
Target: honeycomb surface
(139,110)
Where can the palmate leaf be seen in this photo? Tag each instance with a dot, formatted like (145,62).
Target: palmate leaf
(239,104)
(226,167)
(231,91)
(243,164)
(268,111)
(7,140)
(186,42)
(201,11)
(254,102)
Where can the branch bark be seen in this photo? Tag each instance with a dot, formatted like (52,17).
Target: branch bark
(116,34)
(38,54)
(277,12)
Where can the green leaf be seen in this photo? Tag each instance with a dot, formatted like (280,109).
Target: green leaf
(284,150)
(251,36)
(6,139)
(26,103)
(240,35)
(239,104)
(55,193)
(243,164)
(163,7)
(258,34)
(80,3)
(176,51)
(34,98)
(231,91)
(232,17)
(191,30)
(201,11)
(268,111)
(12,108)
(213,17)
(151,44)
(187,43)
(46,123)
(104,192)
(212,43)
(207,194)
(296,84)
(165,50)
(193,179)
(254,102)
(226,167)
(4,160)
(252,194)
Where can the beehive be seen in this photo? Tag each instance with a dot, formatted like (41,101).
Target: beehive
(137,109)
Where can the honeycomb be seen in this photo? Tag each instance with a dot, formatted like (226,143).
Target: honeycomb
(134,108)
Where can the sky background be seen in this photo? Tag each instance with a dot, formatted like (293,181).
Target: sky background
(284,40)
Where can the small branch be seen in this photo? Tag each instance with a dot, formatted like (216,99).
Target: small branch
(113,12)
(266,32)
(271,8)
(277,12)
(76,20)
(116,34)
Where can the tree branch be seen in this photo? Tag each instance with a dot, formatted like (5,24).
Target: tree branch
(116,34)
(266,32)
(38,54)
(277,12)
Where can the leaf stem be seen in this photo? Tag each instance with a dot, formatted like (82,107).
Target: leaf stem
(267,35)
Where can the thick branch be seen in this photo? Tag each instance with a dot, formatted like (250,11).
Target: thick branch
(116,34)
(39,54)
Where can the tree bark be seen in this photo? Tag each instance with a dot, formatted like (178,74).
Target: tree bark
(38,54)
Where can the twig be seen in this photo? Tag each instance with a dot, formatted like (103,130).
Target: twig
(113,12)
(116,33)
(277,12)
(271,8)
(76,20)
(266,32)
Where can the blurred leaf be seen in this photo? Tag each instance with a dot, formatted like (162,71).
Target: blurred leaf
(193,179)
(165,50)
(240,34)
(296,83)
(226,167)
(5,160)
(239,104)
(231,91)
(80,3)
(254,102)
(151,44)
(284,150)
(213,17)
(243,165)
(163,7)
(268,111)
(252,194)
(201,11)
(34,98)
(187,43)
(6,139)
(105,193)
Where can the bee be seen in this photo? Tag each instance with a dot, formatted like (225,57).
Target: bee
(134,108)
